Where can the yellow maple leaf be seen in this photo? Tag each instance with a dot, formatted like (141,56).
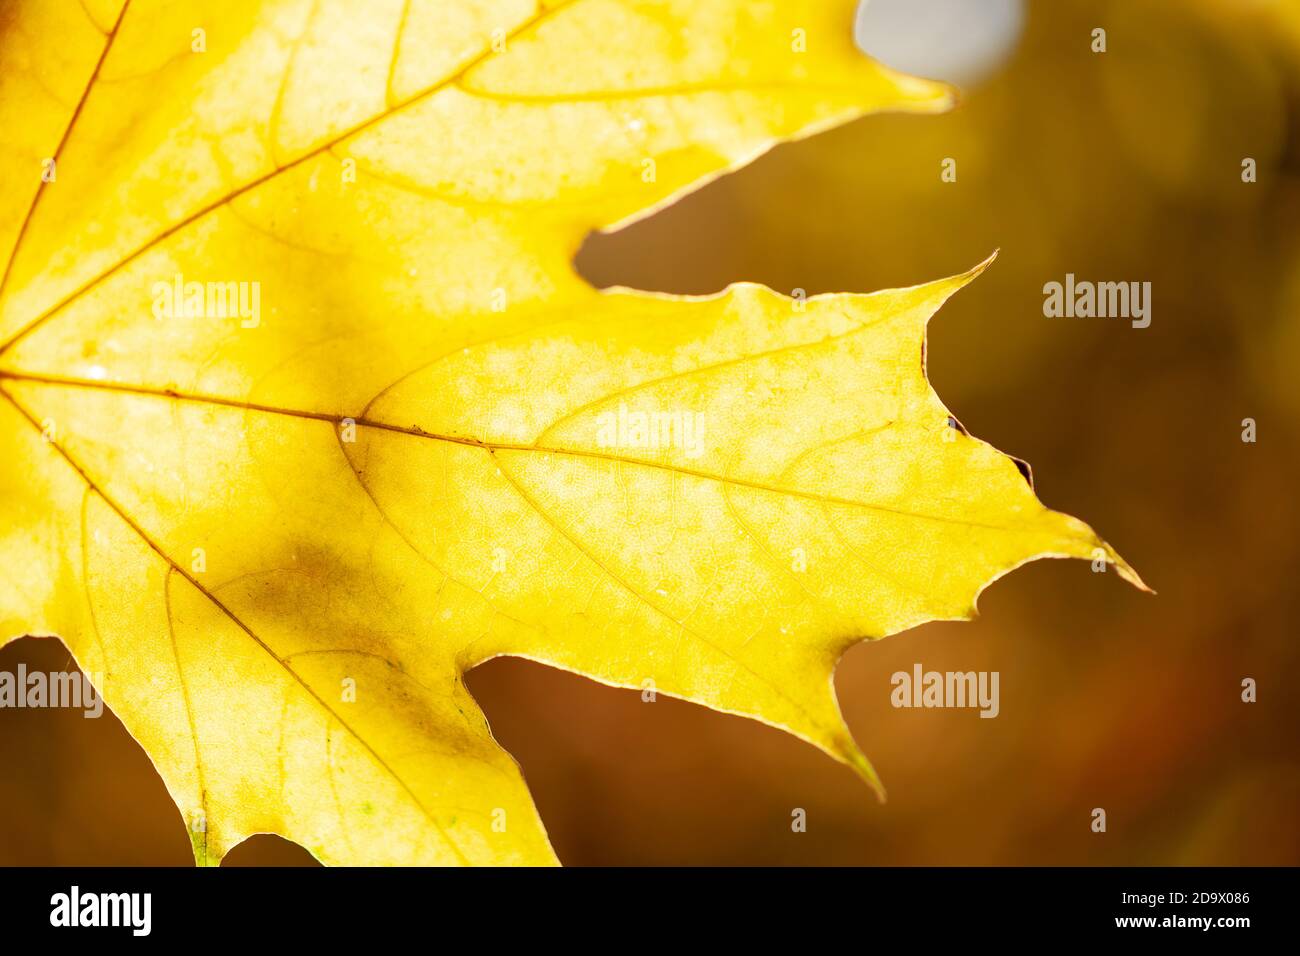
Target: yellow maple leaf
(305,412)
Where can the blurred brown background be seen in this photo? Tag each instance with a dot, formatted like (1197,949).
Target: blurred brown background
(1117,166)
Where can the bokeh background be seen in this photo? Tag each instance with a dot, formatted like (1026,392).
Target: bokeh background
(1117,166)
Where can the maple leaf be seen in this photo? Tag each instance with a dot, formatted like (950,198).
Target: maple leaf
(306,413)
